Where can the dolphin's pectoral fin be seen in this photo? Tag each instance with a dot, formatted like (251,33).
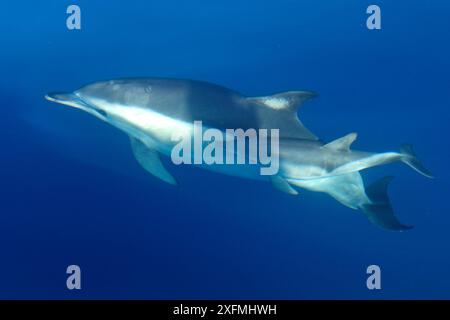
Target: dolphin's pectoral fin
(149,159)
(282,185)
(279,111)
(379,210)
(342,144)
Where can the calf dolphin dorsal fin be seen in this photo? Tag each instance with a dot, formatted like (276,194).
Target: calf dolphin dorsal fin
(342,144)
(149,159)
(279,111)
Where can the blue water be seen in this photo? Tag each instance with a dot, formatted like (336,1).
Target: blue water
(72,193)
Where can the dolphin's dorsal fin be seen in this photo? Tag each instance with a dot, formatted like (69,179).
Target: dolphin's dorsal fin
(284,100)
(282,185)
(279,111)
(342,144)
(150,161)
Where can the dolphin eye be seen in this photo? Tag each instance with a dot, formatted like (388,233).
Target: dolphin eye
(102,113)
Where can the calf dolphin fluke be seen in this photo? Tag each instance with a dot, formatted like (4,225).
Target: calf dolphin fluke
(409,157)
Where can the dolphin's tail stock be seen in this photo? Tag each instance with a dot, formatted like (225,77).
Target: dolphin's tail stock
(408,156)
(379,210)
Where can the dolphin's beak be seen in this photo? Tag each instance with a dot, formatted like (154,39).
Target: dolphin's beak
(73,100)
(68,99)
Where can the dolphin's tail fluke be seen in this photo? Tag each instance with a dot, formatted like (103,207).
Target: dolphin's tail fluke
(408,156)
(379,210)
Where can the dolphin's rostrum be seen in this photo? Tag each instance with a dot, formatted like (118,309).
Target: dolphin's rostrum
(151,110)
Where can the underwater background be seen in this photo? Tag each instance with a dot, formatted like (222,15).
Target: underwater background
(72,193)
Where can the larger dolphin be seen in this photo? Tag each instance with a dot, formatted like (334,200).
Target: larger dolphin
(152,110)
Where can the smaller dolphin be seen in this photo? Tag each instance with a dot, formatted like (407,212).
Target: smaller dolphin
(154,110)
